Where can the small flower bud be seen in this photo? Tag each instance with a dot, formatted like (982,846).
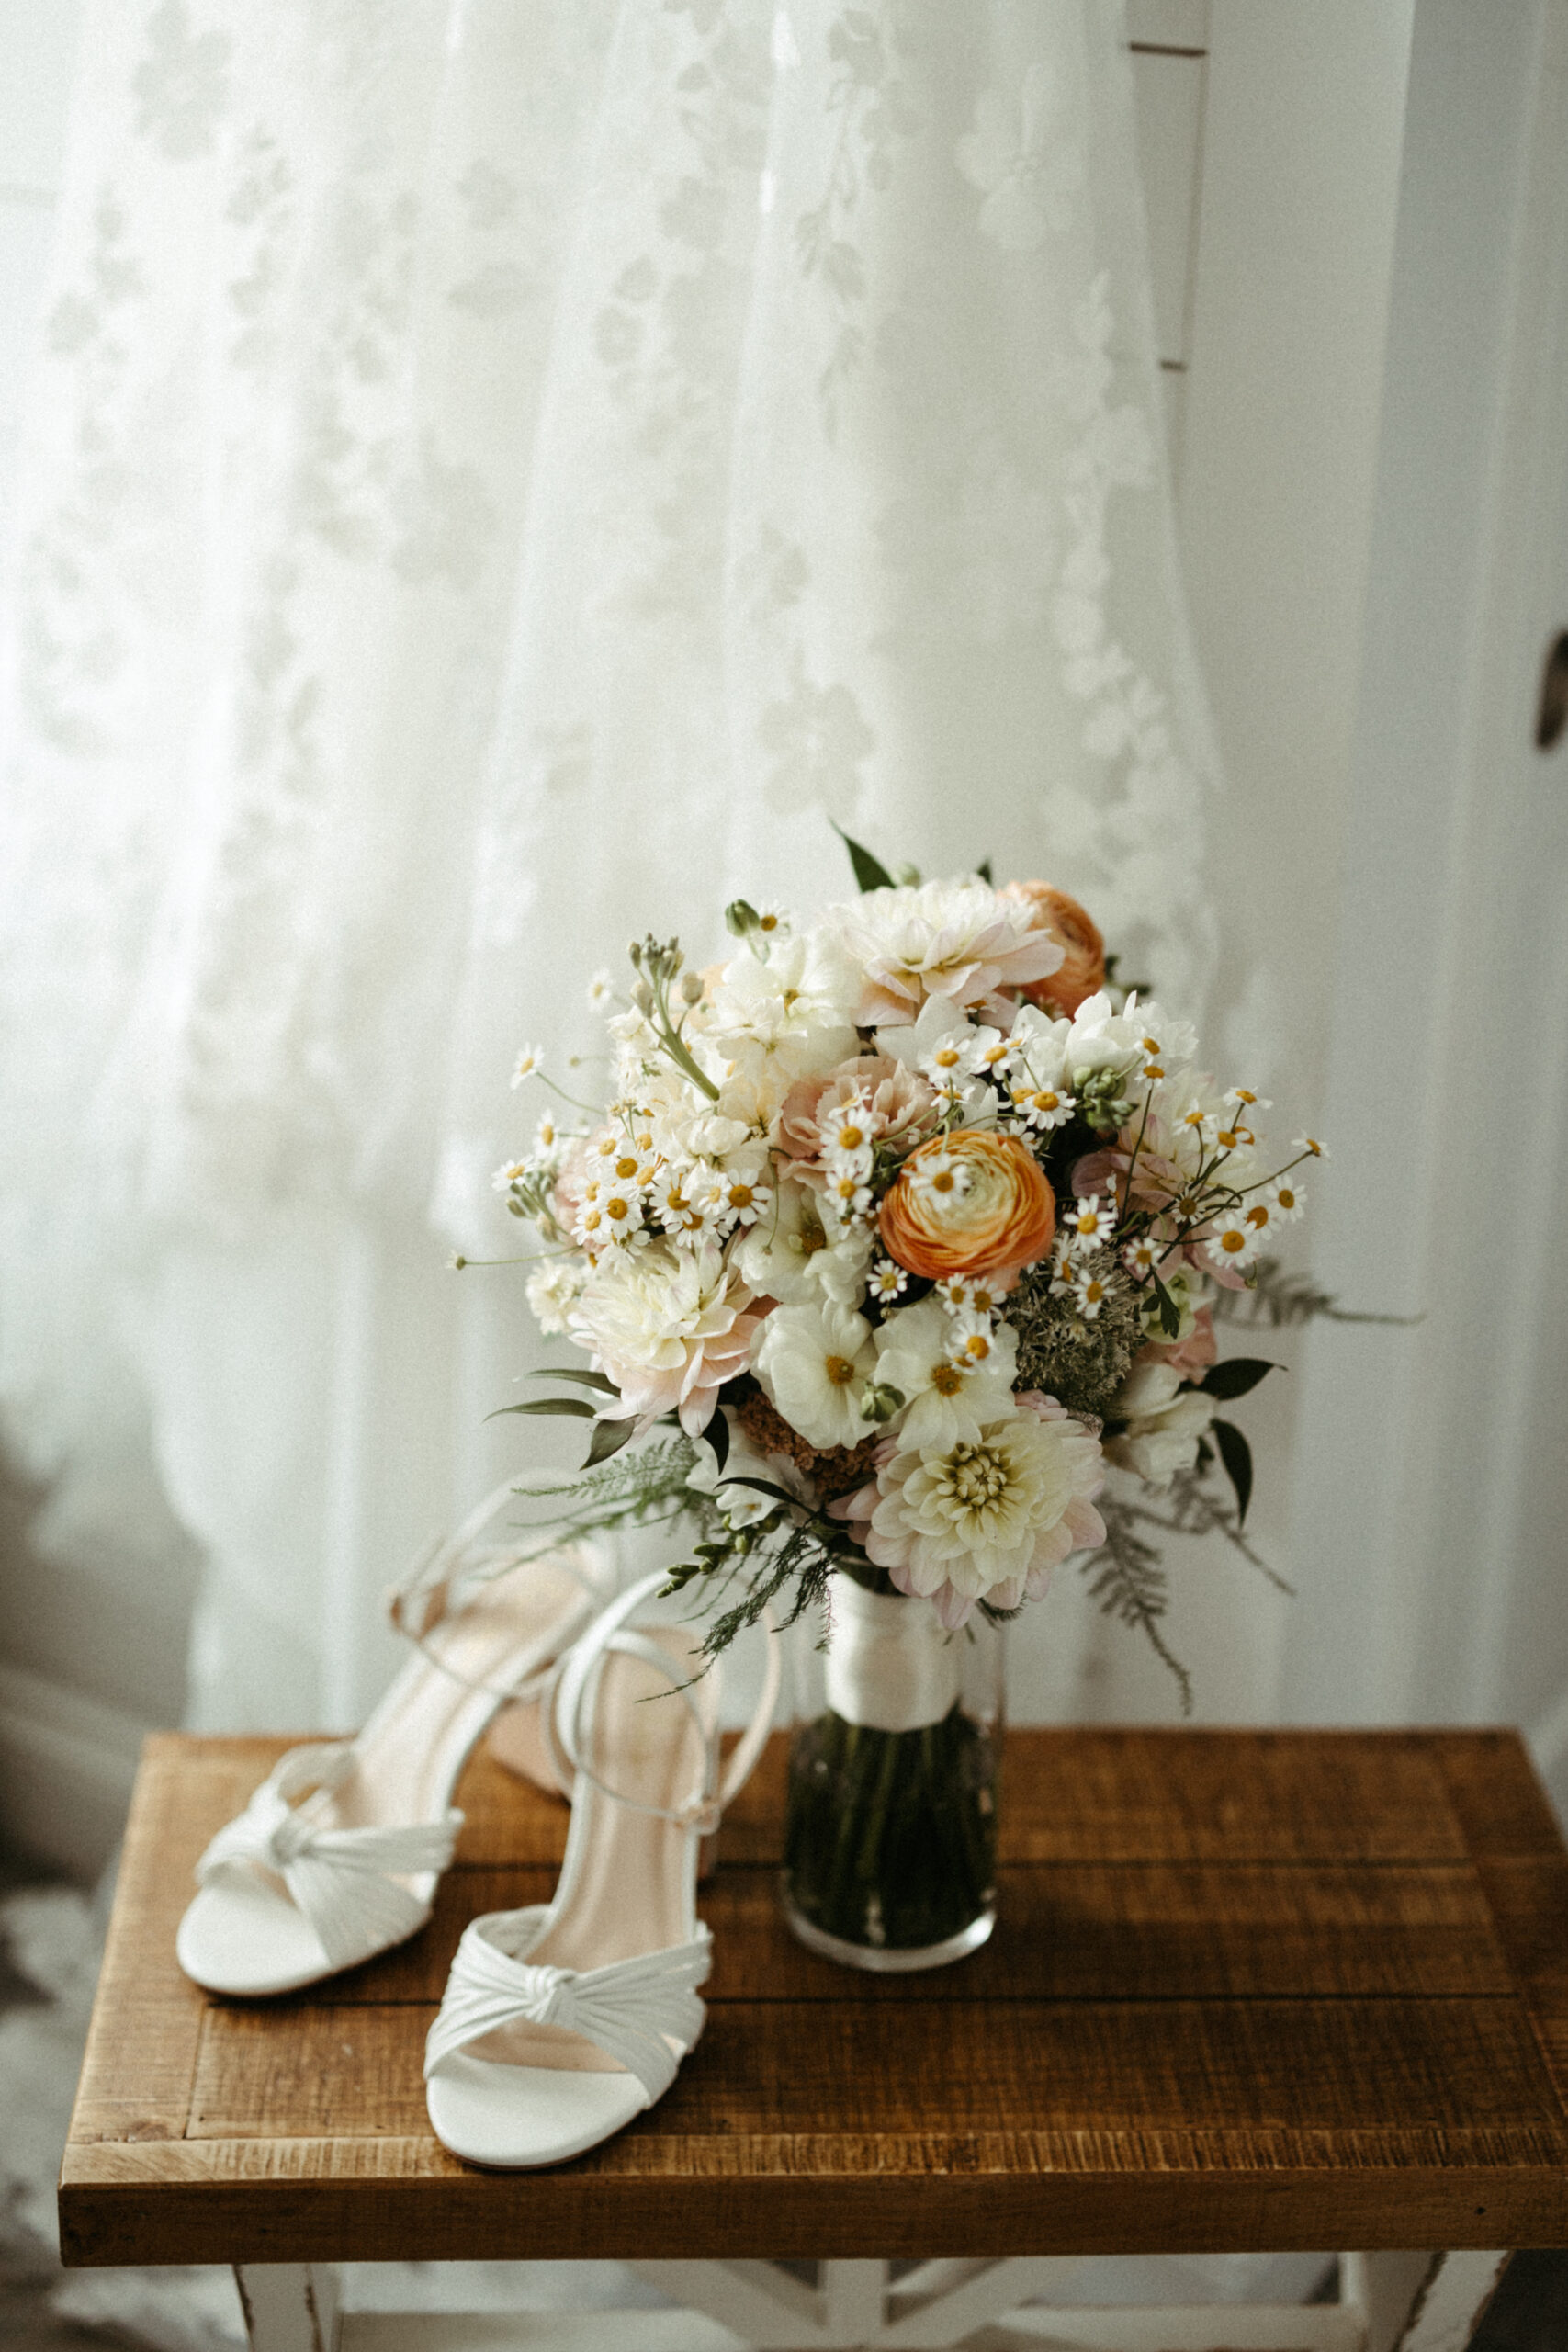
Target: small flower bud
(692,987)
(880,1400)
(642,997)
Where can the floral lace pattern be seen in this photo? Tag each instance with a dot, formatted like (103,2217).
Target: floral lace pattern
(486,461)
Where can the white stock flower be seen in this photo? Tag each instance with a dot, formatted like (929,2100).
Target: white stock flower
(786,1018)
(1164,1424)
(791,1253)
(946,1401)
(814,1362)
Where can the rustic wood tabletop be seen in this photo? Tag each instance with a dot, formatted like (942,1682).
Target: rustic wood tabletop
(1247,1990)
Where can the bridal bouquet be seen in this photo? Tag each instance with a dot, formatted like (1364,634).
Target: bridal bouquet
(908,1223)
(899,1229)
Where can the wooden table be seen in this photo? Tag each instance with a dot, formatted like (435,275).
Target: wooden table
(1248,1990)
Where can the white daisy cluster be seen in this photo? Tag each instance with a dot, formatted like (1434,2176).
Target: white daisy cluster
(829,1166)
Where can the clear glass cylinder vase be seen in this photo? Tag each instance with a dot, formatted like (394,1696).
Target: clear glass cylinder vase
(891,1835)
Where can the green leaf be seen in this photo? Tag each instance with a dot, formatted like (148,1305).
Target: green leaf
(870,875)
(718,1436)
(1236,1455)
(1169,1313)
(1236,1376)
(986,871)
(607,1439)
(740,918)
(577,1408)
(583,1379)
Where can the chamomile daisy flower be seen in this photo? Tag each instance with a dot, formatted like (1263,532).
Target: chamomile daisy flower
(1043,1107)
(744,1198)
(939,1174)
(1288,1200)
(847,1136)
(1061,1265)
(1090,1293)
(886,1282)
(1310,1144)
(847,1195)
(621,1205)
(1090,1226)
(529,1063)
(509,1173)
(600,989)
(1233,1241)
(972,1341)
(676,1205)
(546,1138)
(994,1055)
(961,1294)
(1141,1258)
(1243,1101)
(950,1058)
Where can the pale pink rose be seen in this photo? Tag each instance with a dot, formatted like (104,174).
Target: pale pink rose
(898,1106)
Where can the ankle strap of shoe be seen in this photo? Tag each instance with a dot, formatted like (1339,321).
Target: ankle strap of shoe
(565,1717)
(445,1577)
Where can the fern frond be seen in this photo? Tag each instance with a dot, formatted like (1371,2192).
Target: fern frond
(1127,1578)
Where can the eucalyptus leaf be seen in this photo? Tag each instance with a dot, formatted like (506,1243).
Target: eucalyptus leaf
(1236,1376)
(869,872)
(1169,1313)
(1236,1455)
(583,1379)
(718,1436)
(607,1439)
(577,1408)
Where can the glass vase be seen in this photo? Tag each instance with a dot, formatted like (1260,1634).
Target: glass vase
(891,1833)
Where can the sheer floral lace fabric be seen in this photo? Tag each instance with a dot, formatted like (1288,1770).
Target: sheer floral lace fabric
(499,479)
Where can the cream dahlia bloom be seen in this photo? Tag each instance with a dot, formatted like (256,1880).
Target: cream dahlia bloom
(814,1362)
(989,1518)
(669,1326)
(958,940)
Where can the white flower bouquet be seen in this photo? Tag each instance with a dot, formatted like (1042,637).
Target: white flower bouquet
(898,1229)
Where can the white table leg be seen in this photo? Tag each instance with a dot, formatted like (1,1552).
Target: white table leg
(1420,2302)
(288,2306)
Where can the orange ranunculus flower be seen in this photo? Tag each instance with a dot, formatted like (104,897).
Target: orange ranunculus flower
(1082,972)
(973,1203)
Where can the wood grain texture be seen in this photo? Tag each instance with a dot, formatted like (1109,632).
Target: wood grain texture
(1247,1989)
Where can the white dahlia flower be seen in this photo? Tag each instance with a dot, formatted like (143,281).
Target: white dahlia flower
(989,1518)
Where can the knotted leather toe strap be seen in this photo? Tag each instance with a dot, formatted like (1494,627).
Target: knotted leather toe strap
(632,2010)
(345,1881)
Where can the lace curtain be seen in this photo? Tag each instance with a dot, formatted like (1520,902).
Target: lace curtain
(499,479)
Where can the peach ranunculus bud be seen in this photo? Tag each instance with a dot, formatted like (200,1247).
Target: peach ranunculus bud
(1082,972)
(971,1202)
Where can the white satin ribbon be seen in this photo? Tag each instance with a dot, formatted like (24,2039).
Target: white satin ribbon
(892,1664)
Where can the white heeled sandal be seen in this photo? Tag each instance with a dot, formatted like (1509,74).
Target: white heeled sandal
(337,1855)
(562,2021)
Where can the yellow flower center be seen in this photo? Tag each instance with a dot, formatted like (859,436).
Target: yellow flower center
(1258,1214)
(947,1379)
(1287,1197)
(740,1196)
(626,1168)
(839,1371)
(975,1474)
(850,1137)
(1232,1243)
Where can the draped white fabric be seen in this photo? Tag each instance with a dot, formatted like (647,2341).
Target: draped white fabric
(501,478)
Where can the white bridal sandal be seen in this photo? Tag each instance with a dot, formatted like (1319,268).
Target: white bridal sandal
(562,2021)
(337,1854)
